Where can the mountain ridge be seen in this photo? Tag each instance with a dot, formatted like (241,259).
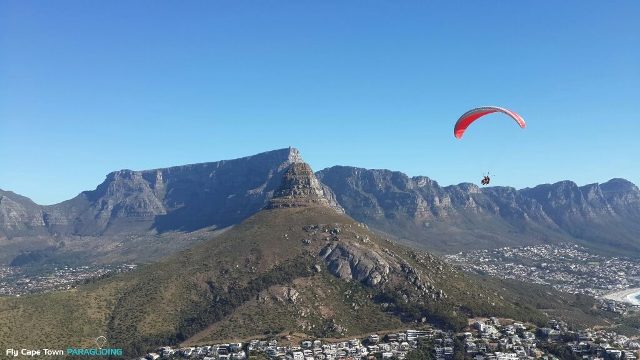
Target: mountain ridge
(426,214)
(416,210)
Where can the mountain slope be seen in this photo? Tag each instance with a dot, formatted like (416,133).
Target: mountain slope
(298,265)
(19,215)
(447,219)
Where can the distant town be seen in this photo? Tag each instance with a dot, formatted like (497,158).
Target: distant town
(15,281)
(568,268)
(490,339)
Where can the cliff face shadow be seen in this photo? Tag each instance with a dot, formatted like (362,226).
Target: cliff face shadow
(215,211)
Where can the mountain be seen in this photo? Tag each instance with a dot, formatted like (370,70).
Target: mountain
(298,265)
(185,198)
(141,216)
(447,219)
(135,205)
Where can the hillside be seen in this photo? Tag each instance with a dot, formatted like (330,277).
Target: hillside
(299,265)
(420,212)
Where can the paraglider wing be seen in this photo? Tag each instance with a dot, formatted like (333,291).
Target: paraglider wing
(474,114)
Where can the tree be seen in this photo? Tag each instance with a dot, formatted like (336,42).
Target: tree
(418,355)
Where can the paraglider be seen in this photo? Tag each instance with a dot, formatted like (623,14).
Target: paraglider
(474,114)
(485,180)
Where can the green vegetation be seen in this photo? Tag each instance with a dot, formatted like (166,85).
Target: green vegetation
(66,318)
(578,311)
(562,351)
(424,351)
(629,324)
(441,314)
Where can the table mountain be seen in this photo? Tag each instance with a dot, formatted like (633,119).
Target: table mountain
(184,198)
(113,222)
(453,218)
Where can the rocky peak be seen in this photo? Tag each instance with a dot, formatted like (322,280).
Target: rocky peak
(622,195)
(294,155)
(423,181)
(300,187)
(619,186)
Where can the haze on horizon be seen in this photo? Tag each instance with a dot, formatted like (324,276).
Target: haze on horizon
(89,88)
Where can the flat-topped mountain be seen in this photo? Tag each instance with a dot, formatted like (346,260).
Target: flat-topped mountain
(452,218)
(117,219)
(185,197)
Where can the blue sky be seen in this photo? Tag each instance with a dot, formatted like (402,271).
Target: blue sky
(91,87)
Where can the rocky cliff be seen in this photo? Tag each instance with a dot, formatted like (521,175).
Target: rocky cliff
(19,215)
(188,197)
(451,218)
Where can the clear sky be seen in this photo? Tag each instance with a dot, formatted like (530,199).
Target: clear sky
(88,87)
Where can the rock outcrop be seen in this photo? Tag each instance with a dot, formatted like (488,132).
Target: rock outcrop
(350,261)
(300,187)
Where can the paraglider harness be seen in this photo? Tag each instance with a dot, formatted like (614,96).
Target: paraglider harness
(485,180)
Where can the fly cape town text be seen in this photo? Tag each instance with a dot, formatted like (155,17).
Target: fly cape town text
(12,353)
